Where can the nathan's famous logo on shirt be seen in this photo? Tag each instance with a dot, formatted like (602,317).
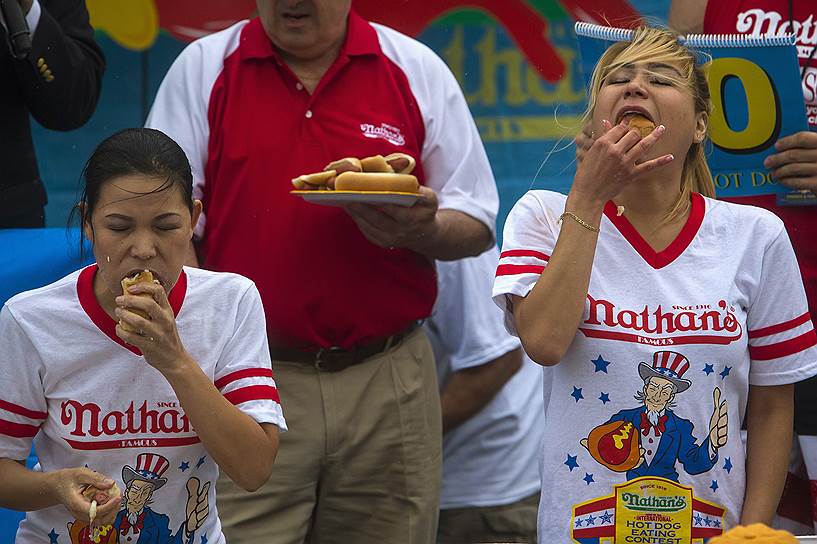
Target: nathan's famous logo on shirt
(647,510)
(126,428)
(643,503)
(385,131)
(659,326)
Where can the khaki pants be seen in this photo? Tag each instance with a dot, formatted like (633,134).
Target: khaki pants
(515,522)
(361,462)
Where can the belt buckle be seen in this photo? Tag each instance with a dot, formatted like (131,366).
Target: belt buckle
(324,355)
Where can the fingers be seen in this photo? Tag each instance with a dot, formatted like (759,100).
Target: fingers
(716,397)
(805,139)
(795,170)
(204,490)
(155,290)
(106,514)
(193,486)
(583,442)
(652,164)
(136,321)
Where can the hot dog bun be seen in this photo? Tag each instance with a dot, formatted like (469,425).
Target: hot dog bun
(314,181)
(376,164)
(400,162)
(377,181)
(145,276)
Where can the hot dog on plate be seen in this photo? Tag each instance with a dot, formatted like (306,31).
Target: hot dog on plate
(391,173)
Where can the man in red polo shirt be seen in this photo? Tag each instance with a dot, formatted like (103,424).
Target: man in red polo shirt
(258,104)
(795,164)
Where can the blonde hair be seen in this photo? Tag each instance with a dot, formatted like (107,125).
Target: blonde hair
(657,45)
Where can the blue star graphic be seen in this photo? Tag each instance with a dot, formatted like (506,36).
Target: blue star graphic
(577,393)
(698,520)
(591,520)
(600,364)
(708,522)
(714,486)
(53,536)
(725,372)
(571,462)
(184,466)
(588,478)
(203,539)
(716,522)
(727,465)
(708,369)
(201,461)
(607,517)
(579,522)
(605,398)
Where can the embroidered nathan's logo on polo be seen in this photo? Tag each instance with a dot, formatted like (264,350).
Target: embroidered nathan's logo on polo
(660,326)
(130,428)
(641,503)
(385,131)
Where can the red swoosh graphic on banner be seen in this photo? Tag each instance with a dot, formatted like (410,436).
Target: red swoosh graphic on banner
(188,20)
(526,26)
(660,341)
(133,443)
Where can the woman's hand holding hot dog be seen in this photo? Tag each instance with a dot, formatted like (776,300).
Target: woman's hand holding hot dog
(613,161)
(157,336)
(392,226)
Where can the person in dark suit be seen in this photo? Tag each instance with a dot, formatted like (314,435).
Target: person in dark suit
(58,84)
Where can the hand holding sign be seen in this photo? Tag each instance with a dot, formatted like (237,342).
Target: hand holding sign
(795,163)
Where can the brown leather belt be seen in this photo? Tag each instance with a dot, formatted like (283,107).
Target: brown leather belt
(335,359)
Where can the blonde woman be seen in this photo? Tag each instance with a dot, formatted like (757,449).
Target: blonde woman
(663,312)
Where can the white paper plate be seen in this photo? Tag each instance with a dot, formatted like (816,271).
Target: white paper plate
(339,198)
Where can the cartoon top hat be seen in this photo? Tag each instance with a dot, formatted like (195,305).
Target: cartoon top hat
(668,365)
(149,468)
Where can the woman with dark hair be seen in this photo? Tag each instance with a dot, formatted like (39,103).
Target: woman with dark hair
(154,388)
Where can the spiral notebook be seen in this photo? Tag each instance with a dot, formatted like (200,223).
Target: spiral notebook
(756,96)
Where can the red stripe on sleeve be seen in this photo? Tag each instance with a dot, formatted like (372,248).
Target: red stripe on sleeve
(246,373)
(511,269)
(780,327)
(21,411)
(17,430)
(525,253)
(253,392)
(782,349)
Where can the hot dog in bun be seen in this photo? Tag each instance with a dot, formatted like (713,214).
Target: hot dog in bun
(373,181)
(373,174)
(376,164)
(145,276)
(317,180)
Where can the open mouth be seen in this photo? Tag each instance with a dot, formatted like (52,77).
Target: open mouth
(135,271)
(631,111)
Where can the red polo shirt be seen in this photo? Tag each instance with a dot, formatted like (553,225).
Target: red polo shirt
(771,17)
(249,127)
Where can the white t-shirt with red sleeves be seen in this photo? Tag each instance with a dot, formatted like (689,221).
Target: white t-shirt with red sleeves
(721,308)
(85,398)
